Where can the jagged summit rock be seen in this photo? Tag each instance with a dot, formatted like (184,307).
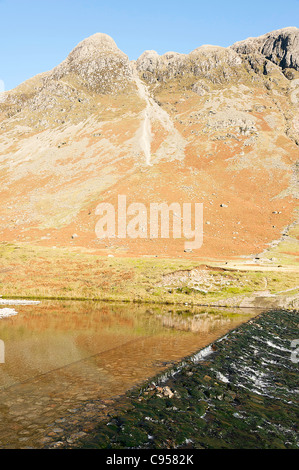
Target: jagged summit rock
(97,60)
(201,62)
(280,46)
(148,61)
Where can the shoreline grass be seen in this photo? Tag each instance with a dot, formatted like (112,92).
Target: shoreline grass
(213,402)
(35,273)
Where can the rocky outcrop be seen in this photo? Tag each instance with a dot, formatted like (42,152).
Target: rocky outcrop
(93,68)
(280,47)
(216,64)
(99,63)
(219,65)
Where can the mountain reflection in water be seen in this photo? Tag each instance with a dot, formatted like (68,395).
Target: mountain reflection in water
(59,355)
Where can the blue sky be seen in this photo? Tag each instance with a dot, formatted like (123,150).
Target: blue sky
(36,35)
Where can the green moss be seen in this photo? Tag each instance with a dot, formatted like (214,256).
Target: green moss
(213,414)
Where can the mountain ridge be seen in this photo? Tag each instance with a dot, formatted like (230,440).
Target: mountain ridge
(217,125)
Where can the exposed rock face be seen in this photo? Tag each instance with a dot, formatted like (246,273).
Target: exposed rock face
(68,93)
(148,61)
(211,62)
(281,47)
(98,61)
(218,64)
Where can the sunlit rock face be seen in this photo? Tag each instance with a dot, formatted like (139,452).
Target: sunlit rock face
(281,47)
(99,63)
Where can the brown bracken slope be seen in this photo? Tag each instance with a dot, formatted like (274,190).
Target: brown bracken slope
(218,126)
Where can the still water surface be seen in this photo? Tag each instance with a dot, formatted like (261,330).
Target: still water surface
(61,355)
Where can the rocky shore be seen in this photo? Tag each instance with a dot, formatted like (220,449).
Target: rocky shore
(241,393)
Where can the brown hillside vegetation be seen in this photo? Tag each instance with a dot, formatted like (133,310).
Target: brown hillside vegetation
(222,126)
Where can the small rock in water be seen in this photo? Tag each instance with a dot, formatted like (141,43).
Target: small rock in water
(167,392)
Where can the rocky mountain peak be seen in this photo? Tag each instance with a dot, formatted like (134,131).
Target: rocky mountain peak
(97,61)
(280,47)
(93,46)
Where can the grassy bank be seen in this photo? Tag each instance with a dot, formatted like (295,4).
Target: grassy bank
(37,272)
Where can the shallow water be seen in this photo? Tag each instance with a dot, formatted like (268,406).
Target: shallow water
(61,355)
